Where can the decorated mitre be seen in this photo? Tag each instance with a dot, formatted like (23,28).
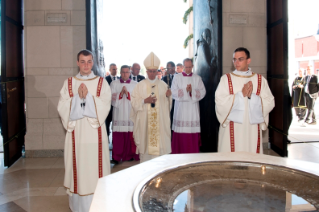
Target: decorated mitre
(152,61)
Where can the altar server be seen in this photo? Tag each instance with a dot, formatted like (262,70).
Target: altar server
(84,103)
(123,143)
(243,103)
(151,105)
(187,90)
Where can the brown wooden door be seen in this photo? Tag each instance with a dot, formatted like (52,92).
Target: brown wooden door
(12,80)
(277,73)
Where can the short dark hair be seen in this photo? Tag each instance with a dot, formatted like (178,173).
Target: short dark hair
(125,66)
(243,49)
(112,64)
(84,52)
(171,63)
(179,64)
(187,59)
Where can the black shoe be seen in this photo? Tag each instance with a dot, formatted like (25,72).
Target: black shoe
(114,162)
(131,159)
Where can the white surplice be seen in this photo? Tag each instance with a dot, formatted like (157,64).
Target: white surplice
(186,110)
(139,116)
(246,114)
(84,124)
(122,106)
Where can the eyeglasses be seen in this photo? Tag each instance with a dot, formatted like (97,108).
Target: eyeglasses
(239,59)
(152,72)
(114,69)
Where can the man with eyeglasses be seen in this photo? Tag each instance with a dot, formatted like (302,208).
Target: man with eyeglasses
(187,90)
(122,127)
(135,70)
(151,104)
(243,103)
(112,77)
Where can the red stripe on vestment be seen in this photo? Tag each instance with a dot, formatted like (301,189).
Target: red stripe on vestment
(259,84)
(70,87)
(100,153)
(75,174)
(99,87)
(98,92)
(258,140)
(258,93)
(230,84)
(231,124)
(232,136)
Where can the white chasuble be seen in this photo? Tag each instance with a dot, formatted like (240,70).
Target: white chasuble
(151,131)
(186,110)
(242,119)
(122,105)
(86,151)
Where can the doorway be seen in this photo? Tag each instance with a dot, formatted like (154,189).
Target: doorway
(303,41)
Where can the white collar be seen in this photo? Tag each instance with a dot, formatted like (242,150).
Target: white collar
(90,76)
(152,81)
(113,76)
(243,73)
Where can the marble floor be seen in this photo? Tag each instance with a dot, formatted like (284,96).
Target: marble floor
(36,184)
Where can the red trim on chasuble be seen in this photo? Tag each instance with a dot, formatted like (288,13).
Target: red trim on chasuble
(98,92)
(70,86)
(231,123)
(100,153)
(258,93)
(75,173)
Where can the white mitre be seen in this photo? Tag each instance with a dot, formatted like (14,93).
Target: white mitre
(152,62)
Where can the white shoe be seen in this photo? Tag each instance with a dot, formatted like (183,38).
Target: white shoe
(303,124)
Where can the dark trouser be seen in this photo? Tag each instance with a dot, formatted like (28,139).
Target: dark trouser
(300,112)
(310,102)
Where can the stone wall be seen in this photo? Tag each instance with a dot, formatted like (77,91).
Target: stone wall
(54,32)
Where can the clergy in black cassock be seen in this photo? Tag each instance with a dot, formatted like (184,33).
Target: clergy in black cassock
(168,79)
(298,97)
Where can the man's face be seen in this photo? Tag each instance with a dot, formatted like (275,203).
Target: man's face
(188,66)
(179,69)
(125,74)
(136,69)
(170,69)
(85,64)
(151,73)
(113,70)
(240,61)
(300,73)
(309,71)
(159,75)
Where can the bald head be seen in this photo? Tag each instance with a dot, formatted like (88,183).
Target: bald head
(136,69)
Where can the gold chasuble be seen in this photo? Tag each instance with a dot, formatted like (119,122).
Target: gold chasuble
(151,132)
(86,152)
(153,122)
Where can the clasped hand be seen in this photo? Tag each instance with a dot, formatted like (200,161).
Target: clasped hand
(189,88)
(83,91)
(150,99)
(124,91)
(247,89)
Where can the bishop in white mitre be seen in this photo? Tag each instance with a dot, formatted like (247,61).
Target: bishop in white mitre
(151,104)
(84,103)
(187,90)
(122,128)
(243,103)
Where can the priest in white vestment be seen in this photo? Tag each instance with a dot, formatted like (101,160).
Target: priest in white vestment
(151,104)
(243,103)
(187,90)
(84,103)
(122,128)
